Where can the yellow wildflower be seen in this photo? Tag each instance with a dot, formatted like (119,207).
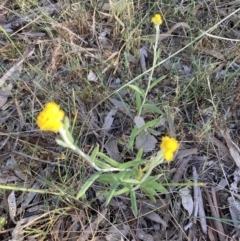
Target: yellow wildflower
(157,19)
(50,118)
(169,145)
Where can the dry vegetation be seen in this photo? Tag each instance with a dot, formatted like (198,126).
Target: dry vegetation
(83,54)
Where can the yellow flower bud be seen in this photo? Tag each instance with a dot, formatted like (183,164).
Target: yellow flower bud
(157,19)
(169,146)
(50,118)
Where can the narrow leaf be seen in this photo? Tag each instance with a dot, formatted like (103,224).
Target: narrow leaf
(131,164)
(94,153)
(134,203)
(102,165)
(153,108)
(157,81)
(107,178)
(132,181)
(137,89)
(111,192)
(108,159)
(88,183)
(132,137)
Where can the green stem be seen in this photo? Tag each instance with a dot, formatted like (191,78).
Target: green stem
(85,156)
(24,189)
(153,163)
(155,58)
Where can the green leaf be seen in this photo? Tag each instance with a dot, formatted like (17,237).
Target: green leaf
(132,181)
(2,222)
(159,187)
(88,183)
(94,153)
(150,192)
(106,158)
(153,108)
(69,136)
(157,81)
(156,186)
(122,175)
(124,190)
(132,137)
(107,178)
(111,192)
(61,143)
(133,163)
(151,123)
(66,123)
(137,89)
(134,203)
(139,154)
(151,179)
(102,165)
(138,101)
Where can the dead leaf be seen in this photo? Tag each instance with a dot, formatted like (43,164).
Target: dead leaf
(33,34)
(17,233)
(143,57)
(20,114)
(139,121)
(201,212)
(187,200)
(50,9)
(212,52)
(173,28)
(8,179)
(108,122)
(92,226)
(13,164)
(145,141)
(155,218)
(221,185)
(121,105)
(144,236)
(12,206)
(207,51)
(92,76)
(234,150)
(104,41)
(10,72)
(112,148)
(234,208)
(234,185)
(29,197)
(4,93)
(117,232)
(186,152)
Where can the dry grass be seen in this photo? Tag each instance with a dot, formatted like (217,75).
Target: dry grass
(199,98)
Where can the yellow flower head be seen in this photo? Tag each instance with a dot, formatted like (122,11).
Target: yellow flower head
(157,19)
(169,145)
(50,118)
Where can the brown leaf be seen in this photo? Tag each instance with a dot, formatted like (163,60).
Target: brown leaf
(234,150)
